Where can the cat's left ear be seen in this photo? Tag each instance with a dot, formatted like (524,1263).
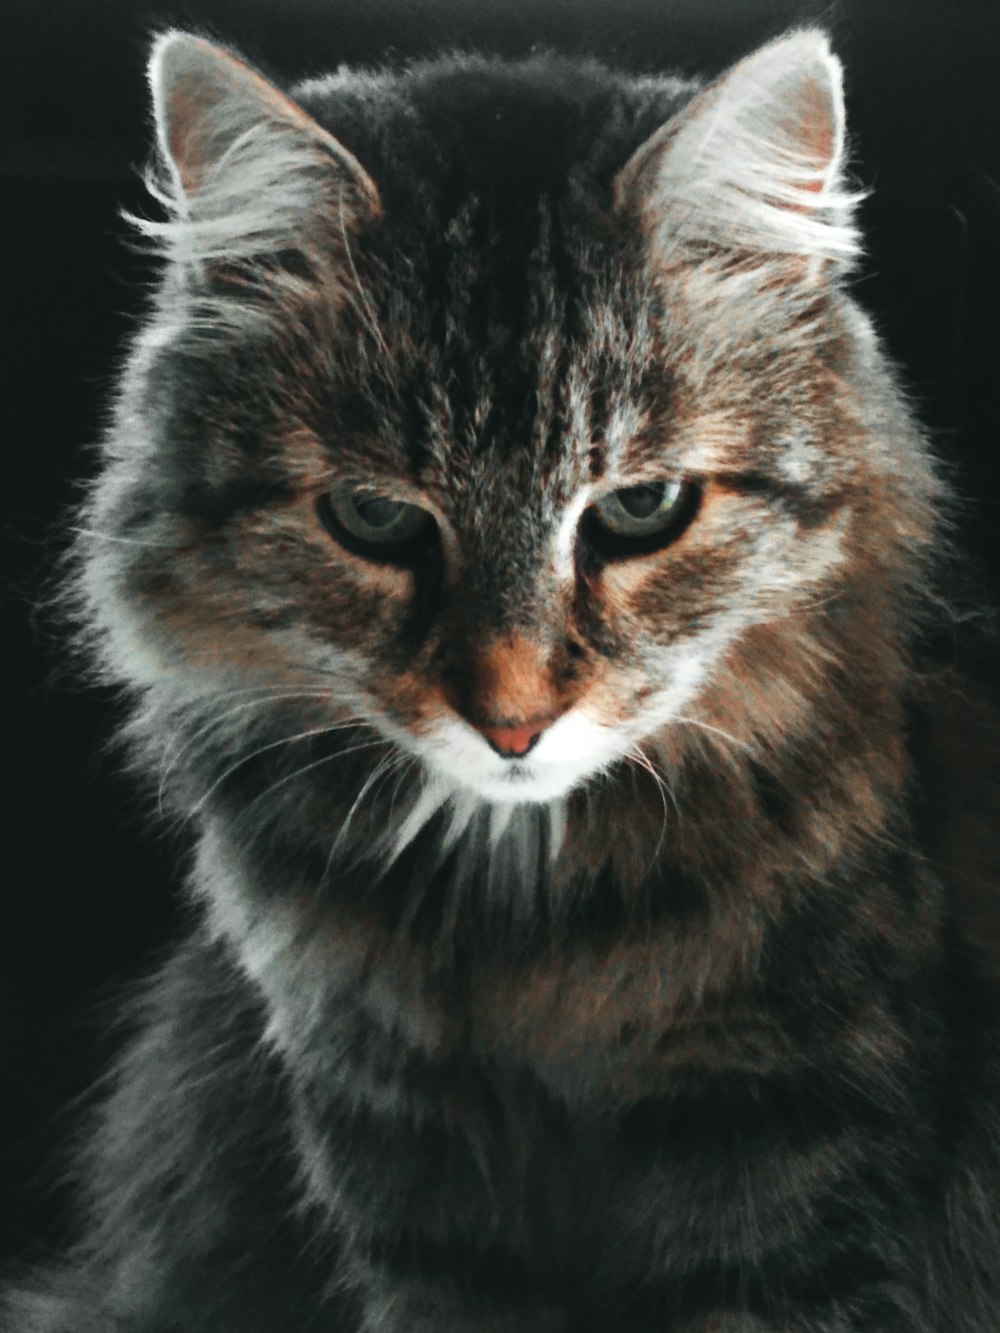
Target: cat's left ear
(251,170)
(753,163)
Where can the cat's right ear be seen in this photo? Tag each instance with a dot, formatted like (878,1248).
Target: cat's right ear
(250,169)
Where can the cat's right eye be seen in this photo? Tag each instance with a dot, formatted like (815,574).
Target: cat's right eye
(375,525)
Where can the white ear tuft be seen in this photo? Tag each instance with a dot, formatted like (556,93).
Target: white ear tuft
(755,161)
(248,167)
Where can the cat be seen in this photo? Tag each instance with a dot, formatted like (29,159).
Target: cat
(520,560)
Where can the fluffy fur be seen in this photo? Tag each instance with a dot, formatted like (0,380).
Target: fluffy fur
(676,1018)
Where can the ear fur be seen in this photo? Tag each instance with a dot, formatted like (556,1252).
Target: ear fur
(246,167)
(754,162)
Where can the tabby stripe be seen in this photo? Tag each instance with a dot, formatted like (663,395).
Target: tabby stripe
(221,504)
(808,509)
(728,1110)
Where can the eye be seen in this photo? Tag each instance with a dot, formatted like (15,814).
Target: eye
(374,525)
(641,518)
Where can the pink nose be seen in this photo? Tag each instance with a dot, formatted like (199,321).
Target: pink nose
(513,742)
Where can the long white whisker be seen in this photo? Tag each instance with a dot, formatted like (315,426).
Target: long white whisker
(638,756)
(263,691)
(306,768)
(715,731)
(821,601)
(384,766)
(122,541)
(658,773)
(219,720)
(263,749)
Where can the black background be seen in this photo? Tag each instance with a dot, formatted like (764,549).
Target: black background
(87,888)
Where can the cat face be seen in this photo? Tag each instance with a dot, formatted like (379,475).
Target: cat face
(506,463)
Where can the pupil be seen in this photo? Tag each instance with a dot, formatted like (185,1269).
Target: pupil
(378,513)
(642,501)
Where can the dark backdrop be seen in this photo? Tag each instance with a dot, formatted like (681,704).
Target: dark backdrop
(86,899)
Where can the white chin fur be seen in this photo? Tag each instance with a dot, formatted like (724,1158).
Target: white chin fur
(570,751)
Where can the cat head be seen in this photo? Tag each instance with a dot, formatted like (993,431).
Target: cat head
(512,413)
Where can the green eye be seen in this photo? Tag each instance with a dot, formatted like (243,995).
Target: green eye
(637,511)
(641,518)
(373,525)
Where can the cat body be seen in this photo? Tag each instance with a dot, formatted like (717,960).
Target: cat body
(517,551)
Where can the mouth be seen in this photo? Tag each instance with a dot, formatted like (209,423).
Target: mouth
(566,756)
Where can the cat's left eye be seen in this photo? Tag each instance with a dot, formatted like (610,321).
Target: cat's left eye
(641,518)
(374,525)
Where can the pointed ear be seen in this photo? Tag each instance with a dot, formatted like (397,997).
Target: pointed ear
(249,167)
(754,162)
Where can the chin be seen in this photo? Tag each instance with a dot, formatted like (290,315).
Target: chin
(521,783)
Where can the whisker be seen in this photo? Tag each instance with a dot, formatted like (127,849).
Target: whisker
(643,760)
(123,541)
(383,767)
(715,731)
(820,601)
(398,760)
(218,721)
(264,749)
(306,768)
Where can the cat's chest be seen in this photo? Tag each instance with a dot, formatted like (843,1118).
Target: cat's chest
(592,1020)
(618,1020)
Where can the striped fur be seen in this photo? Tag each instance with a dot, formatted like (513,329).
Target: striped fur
(683,1019)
